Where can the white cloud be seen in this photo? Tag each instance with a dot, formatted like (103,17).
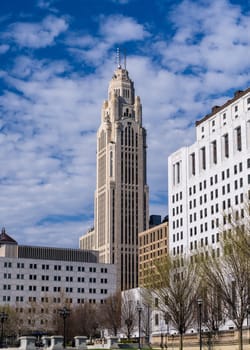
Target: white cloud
(204,40)
(37,35)
(48,144)
(120,29)
(95,50)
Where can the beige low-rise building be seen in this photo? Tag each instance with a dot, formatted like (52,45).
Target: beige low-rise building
(153,245)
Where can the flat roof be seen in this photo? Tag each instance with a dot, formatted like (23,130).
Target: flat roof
(238,94)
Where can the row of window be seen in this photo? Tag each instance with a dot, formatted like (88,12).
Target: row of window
(55,289)
(213,152)
(214,194)
(56,278)
(56,267)
(7,298)
(213,180)
(154,254)
(204,241)
(223,116)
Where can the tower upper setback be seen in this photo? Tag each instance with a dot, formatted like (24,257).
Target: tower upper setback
(121,197)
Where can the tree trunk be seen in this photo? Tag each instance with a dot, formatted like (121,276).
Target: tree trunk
(181,341)
(240,338)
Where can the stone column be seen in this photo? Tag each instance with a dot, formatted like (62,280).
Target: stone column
(56,342)
(80,342)
(27,343)
(112,343)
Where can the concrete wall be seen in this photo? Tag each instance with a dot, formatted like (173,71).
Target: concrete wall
(225,340)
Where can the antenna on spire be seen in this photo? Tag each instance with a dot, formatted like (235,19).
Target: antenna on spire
(125,59)
(118,59)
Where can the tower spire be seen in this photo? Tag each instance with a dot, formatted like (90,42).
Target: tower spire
(118,58)
(125,59)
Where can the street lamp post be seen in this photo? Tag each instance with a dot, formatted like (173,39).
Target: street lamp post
(139,309)
(64,313)
(148,324)
(3,318)
(199,302)
(248,312)
(166,318)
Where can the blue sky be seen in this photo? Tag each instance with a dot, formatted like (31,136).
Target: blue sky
(56,60)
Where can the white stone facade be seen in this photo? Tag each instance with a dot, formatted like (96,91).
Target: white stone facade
(54,280)
(121,197)
(210,177)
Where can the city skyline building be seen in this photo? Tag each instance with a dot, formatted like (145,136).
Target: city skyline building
(153,246)
(121,196)
(49,275)
(210,180)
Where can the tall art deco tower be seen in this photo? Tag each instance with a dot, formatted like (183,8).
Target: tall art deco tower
(121,196)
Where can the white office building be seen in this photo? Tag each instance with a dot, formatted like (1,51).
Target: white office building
(210,177)
(32,274)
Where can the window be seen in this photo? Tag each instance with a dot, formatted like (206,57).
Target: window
(238,138)
(156,319)
(69,268)
(203,158)
(223,190)
(214,152)
(211,180)
(176,173)
(226,146)
(192,159)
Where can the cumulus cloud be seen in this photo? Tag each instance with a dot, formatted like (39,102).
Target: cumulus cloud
(37,35)
(95,50)
(204,40)
(126,29)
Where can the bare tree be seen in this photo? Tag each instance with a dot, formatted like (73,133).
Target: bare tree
(11,324)
(213,312)
(129,313)
(84,320)
(175,283)
(110,313)
(147,313)
(229,275)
